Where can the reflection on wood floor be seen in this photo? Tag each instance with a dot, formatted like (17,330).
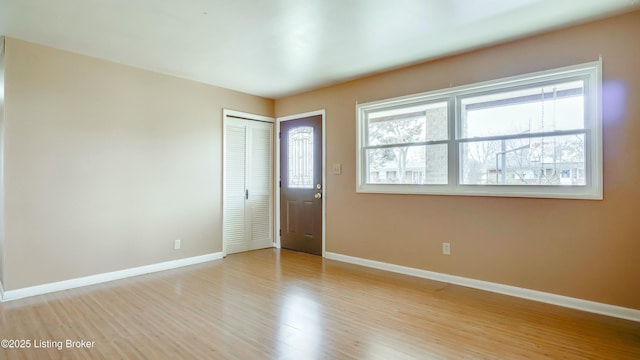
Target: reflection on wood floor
(271,304)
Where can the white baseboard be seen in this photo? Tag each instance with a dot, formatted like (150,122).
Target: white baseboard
(560,300)
(100,278)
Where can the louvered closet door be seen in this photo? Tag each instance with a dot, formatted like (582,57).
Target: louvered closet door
(248,189)
(260,185)
(234,186)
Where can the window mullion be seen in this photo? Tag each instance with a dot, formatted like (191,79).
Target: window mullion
(454,123)
(421,143)
(524,136)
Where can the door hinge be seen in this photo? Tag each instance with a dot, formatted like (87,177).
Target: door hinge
(280,232)
(280,183)
(246,194)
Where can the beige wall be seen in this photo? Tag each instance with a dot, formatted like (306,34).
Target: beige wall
(106,165)
(579,248)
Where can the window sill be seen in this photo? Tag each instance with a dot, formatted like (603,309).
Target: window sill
(546,192)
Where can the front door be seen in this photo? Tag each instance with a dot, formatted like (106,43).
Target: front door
(301,184)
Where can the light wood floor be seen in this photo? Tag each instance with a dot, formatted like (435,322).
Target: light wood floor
(272,304)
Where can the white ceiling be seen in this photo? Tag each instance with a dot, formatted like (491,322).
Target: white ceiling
(275,48)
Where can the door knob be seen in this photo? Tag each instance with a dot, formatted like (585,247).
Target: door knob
(317,196)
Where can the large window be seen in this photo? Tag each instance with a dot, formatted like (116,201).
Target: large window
(536,135)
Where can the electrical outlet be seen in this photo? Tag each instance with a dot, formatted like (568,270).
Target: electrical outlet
(446,248)
(176,244)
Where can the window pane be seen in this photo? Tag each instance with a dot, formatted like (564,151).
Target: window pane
(535,109)
(554,160)
(408,125)
(300,148)
(408,165)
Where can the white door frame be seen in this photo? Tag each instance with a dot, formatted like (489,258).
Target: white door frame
(324,173)
(248,116)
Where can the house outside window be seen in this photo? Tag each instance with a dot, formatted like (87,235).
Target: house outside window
(535,135)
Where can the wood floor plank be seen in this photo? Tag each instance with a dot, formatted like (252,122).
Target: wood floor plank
(272,304)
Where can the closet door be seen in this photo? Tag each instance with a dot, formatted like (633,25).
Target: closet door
(248,185)
(260,185)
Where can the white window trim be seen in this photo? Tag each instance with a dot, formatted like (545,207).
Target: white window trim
(593,190)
